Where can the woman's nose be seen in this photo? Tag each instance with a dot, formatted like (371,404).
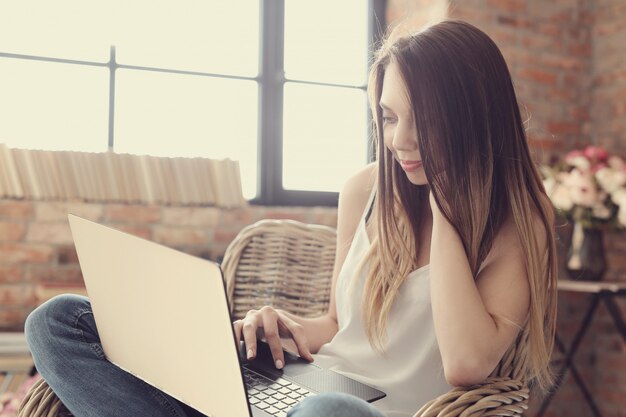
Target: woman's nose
(405,137)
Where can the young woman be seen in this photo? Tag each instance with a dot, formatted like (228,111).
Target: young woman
(456,253)
(445,251)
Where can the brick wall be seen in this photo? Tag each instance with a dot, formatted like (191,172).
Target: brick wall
(608,98)
(568,62)
(37,255)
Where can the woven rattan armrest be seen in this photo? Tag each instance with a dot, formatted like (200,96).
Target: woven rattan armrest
(497,396)
(41,401)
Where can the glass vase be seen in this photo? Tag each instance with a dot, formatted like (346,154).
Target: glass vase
(586,259)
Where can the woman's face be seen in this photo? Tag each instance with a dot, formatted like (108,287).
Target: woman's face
(399,133)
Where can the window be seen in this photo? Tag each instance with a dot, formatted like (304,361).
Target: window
(278,85)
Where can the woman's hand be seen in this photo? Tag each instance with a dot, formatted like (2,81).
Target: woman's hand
(271,324)
(434,208)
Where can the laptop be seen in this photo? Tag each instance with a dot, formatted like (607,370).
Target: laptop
(163,316)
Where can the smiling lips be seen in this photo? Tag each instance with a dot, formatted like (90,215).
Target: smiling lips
(410,166)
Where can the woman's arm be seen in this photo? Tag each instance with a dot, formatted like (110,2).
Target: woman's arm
(307,335)
(475,321)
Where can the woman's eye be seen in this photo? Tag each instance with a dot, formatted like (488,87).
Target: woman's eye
(387,120)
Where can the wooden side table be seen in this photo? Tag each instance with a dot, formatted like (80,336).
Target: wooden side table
(599,292)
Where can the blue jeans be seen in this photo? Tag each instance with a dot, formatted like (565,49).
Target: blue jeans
(67,352)
(63,339)
(334,405)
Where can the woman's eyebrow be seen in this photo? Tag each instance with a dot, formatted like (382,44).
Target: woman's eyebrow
(384,106)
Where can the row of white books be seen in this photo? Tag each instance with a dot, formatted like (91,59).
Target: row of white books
(114,177)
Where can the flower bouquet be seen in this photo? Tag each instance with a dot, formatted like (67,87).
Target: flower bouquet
(588,188)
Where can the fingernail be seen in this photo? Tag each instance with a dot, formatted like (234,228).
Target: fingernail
(250,353)
(279,364)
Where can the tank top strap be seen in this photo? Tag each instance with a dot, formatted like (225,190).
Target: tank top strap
(369,207)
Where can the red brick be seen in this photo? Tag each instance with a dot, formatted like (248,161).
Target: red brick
(224,236)
(512,6)
(550,29)
(563,128)
(535,41)
(191,216)
(471,14)
(133,213)
(10,274)
(580,113)
(16,210)
(612,396)
(562,62)
(240,216)
(604,28)
(565,17)
(46,211)
(63,273)
(144,232)
(538,75)
(10,231)
(12,318)
(12,253)
(11,295)
(503,36)
(548,144)
(173,236)
(581,50)
(58,233)
(518,21)
(566,94)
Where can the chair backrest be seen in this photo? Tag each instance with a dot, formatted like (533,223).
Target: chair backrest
(283,263)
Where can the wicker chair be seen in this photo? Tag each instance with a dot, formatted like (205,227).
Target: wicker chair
(289,265)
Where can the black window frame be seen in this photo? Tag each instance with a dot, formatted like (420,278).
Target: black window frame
(271,80)
(271,83)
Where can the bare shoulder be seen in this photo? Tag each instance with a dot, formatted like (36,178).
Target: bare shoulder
(357,189)
(353,198)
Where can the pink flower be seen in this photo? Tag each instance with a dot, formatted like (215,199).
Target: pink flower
(596,153)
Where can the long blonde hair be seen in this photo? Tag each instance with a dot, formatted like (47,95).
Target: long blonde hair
(470,133)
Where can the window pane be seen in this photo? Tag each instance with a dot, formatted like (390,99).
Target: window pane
(213,36)
(325,136)
(71,29)
(172,115)
(197,35)
(53,106)
(326,41)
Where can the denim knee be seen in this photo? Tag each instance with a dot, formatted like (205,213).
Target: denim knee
(334,405)
(58,312)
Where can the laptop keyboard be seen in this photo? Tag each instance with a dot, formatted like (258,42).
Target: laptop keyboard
(275,397)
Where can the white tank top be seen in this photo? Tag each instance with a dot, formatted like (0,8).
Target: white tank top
(410,371)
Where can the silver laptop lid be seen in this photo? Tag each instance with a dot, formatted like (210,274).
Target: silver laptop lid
(162,315)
